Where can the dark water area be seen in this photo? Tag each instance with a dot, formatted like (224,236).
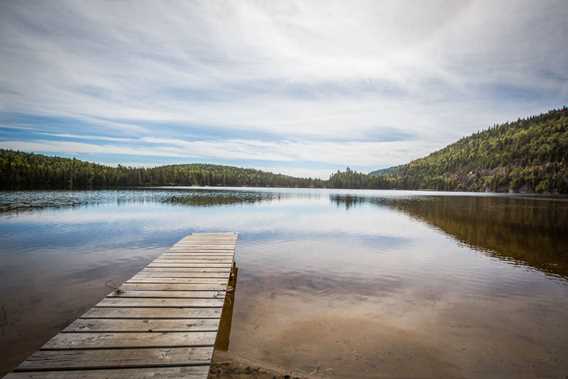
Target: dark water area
(332,283)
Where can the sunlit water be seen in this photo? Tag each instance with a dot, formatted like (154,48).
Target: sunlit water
(331,283)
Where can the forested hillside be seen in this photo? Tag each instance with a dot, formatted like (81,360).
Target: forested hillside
(33,171)
(528,155)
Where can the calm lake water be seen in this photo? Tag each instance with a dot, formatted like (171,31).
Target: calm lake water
(331,283)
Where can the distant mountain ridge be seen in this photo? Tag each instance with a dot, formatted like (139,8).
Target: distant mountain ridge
(528,155)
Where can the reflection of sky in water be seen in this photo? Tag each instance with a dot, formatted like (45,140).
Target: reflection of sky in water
(301,242)
(303,232)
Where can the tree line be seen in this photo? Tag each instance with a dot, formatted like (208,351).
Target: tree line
(26,171)
(528,155)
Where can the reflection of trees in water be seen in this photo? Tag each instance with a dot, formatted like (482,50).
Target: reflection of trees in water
(348,201)
(209,199)
(15,202)
(529,231)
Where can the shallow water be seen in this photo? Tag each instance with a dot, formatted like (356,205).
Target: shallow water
(331,283)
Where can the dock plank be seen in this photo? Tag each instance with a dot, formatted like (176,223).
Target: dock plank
(170,294)
(152,313)
(188,256)
(118,358)
(187,372)
(137,279)
(159,303)
(157,274)
(115,326)
(205,262)
(172,287)
(186,269)
(189,265)
(103,340)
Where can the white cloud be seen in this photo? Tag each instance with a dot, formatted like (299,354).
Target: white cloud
(339,154)
(319,72)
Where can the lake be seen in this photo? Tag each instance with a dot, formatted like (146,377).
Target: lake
(332,283)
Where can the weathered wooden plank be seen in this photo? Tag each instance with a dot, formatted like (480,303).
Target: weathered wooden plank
(225,241)
(173,287)
(196,257)
(152,313)
(196,260)
(207,256)
(226,244)
(206,264)
(171,294)
(178,280)
(187,372)
(118,358)
(199,252)
(193,257)
(193,261)
(186,269)
(154,274)
(115,326)
(203,247)
(210,236)
(129,340)
(188,264)
(205,244)
(202,236)
(159,302)
(142,279)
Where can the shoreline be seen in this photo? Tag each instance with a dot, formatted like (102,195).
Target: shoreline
(226,365)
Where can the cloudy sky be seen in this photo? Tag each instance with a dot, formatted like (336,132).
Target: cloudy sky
(301,87)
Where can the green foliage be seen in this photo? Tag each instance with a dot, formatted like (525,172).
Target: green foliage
(20,171)
(529,155)
(354,179)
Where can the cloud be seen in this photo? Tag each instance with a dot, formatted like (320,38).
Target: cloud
(376,83)
(365,154)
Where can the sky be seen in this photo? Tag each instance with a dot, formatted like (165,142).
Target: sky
(298,87)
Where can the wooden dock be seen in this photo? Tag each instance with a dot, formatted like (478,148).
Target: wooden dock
(161,323)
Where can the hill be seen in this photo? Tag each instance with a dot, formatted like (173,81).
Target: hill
(23,171)
(528,155)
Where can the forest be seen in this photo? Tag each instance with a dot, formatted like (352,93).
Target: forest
(26,171)
(528,155)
